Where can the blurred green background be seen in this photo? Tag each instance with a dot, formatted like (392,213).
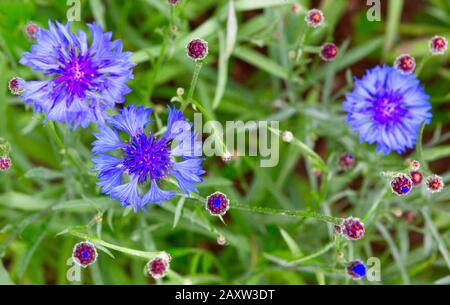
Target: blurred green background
(51,189)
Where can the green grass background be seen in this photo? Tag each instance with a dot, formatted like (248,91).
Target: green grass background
(50,192)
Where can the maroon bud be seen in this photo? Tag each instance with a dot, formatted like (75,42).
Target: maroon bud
(197,49)
(329,51)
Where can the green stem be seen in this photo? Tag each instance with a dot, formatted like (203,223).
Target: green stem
(198,67)
(313,255)
(51,126)
(435,233)
(281,212)
(316,160)
(422,64)
(157,66)
(299,44)
(210,118)
(271,211)
(375,205)
(419,149)
(95,240)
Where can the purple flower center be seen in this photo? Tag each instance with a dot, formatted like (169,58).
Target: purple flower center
(387,108)
(356,269)
(84,253)
(157,267)
(217,204)
(439,43)
(197,49)
(359,269)
(405,189)
(5,163)
(352,228)
(76,76)
(329,51)
(147,156)
(401,185)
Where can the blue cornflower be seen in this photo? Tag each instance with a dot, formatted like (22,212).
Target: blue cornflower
(85,79)
(127,169)
(387,107)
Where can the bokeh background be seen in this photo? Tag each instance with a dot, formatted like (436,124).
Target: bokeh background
(50,189)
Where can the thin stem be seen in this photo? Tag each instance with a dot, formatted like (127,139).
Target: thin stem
(316,160)
(281,212)
(375,205)
(422,64)
(313,255)
(51,127)
(157,66)
(210,118)
(95,240)
(198,67)
(299,44)
(271,211)
(419,149)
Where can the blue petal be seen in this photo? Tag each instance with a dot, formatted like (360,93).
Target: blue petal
(156,195)
(187,145)
(131,119)
(184,184)
(176,123)
(105,162)
(128,194)
(190,170)
(107,140)
(109,179)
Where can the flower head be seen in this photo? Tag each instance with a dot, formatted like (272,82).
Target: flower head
(5,163)
(197,49)
(346,161)
(438,45)
(158,267)
(387,108)
(221,241)
(329,51)
(130,171)
(338,229)
(227,156)
(314,18)
(435,184)
(401,184)
(416,177)
(356,269)
(15,85)
(415,165)
(217,204)
(30,30)
(84,254)
(405,63)
(409,216)
(296,8)
(352,228)
(287,136)
(85,79)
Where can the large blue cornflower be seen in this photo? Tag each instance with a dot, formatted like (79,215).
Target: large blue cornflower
(387,108)
(85,79)
(130,171)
